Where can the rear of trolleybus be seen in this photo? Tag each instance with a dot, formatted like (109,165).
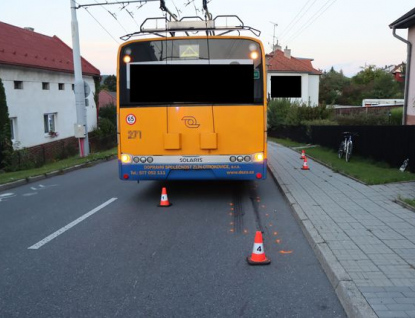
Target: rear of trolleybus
(192,108)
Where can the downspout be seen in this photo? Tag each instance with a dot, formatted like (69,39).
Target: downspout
(408,67)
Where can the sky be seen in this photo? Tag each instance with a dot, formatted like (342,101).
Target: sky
(344,34)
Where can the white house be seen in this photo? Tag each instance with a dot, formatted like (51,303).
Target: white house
(37,74)
(292,77)
(407,21)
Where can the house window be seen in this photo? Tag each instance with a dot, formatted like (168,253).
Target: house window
(73,87)
(286,86)
(18,85)
(13,128)
(61,86)
(49,123)
(45,86)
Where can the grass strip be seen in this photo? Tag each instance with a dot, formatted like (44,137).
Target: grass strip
(363,169)
(410,202)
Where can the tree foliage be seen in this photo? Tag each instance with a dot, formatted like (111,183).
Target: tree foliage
(283,112)
(332,85)
(370,82)
(6,148)
(110,83)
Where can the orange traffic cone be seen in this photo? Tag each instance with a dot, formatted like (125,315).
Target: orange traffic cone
(258,255)
(164,201)
(305,165)
(302,154)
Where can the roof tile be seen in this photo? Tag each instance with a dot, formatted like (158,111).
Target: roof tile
(277,61)
(30,49)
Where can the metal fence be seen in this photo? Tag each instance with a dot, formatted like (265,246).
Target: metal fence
(34,157)
(390,144)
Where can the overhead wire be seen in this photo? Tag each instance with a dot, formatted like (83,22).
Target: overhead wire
(310,21)
(131,13)
(177,10)
(295,20)
(86,9)
(114,16)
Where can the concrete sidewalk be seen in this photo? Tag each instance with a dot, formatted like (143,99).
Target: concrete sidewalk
(364,241)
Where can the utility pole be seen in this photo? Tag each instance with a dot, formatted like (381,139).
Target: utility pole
(81,128)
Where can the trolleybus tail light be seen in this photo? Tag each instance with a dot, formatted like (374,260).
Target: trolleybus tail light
(240,158)
(259,175)
(125,176)
(247,158)
(150,159)
(232,158)
(136,159)
(126,59)
(125,158)
(143,159)
(254,55)
(259,157)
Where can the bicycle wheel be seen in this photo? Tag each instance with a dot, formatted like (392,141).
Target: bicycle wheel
(349,149)
(340,153)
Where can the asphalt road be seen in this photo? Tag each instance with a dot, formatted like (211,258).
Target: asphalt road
(86,244)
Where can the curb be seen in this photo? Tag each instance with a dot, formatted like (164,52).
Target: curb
(352,300)
(404,205)
(18,183)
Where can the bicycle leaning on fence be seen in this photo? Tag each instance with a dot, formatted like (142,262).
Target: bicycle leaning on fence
(346,146)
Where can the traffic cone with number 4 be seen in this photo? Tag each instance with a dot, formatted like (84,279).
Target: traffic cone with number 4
(258,255)
(164,201)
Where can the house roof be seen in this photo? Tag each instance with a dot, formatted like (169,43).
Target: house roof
(405,21)
(106,97)
(278,62)
(22,47)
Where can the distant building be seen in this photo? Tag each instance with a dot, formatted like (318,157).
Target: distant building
(38,76)
(399,72)
(292,77)
(107,98)
(407,21)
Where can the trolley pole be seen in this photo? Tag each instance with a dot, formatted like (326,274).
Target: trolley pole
(81,128)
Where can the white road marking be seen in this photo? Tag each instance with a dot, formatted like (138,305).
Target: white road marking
(29,194)
(70,225)
(6,195)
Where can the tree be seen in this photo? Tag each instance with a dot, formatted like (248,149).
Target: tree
(110,83)
(6,148)
(374,82)
(370,82)
(332,84)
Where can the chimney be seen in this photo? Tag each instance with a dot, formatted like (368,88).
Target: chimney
(29,29)
(287,52)
(277,47)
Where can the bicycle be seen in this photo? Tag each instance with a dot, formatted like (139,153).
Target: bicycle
(346,146)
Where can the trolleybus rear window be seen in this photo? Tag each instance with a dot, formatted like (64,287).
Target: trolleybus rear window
(191,71)
(190,83)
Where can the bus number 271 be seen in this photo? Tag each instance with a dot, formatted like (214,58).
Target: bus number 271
(133,134)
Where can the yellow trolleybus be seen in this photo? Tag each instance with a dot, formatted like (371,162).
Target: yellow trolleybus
(192,107)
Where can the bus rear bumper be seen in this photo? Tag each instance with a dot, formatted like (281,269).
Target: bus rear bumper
(236,171)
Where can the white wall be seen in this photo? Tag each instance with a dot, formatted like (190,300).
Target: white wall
(313,89)
(29,104)
(309,86)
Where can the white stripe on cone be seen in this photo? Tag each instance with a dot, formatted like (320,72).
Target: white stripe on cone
(258,249)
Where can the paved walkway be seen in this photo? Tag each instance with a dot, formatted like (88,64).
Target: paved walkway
(364,241)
